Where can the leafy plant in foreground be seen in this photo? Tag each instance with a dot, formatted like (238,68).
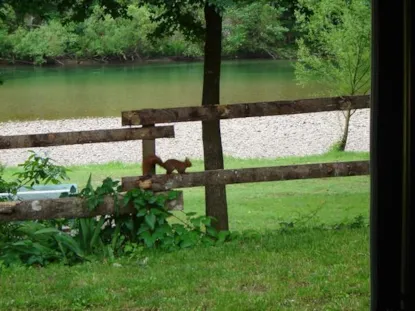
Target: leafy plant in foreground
(152,225)
(35,242)
(40,170)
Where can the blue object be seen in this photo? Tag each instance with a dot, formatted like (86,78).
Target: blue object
(42,192)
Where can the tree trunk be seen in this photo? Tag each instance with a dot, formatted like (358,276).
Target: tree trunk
(343,141)
(215,195)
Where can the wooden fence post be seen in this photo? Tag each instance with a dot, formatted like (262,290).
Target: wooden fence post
(149,147)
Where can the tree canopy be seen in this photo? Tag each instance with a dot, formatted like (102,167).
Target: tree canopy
(335,49)
(129,30)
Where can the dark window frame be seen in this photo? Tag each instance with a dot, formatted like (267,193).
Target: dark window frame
(392,150)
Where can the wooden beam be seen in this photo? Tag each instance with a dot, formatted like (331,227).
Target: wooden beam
(148,148)
(247,175)
(260,109)
(68,208)
(85,137)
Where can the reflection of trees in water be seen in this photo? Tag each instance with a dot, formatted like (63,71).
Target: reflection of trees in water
(15,73)
(10,74)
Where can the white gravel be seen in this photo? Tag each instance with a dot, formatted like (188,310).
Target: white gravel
(262,137)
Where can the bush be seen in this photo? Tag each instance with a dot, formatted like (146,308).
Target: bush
(49,41)
(42,242)
(248,28)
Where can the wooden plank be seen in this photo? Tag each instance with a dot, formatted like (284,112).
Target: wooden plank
(247,175)
(67,208)
(260,109)
(85,137)
(149,148)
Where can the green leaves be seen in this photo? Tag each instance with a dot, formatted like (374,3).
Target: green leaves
(155,231)
(254,27)
(76,10)
(172,16)
(105,30)
(48,41)
(335,49)
(150,220)
(95,197)
(34,243)
(151,226)
(38,169)
(88,237)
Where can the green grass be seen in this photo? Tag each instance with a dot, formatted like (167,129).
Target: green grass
(300,269)
(262,206)
(297,270)
(117,170)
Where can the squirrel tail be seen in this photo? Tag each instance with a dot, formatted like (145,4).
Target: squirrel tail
(149,161)
(153,159)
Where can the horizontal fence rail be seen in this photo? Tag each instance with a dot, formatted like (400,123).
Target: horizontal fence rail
(85,137)
(76,207)
(69,208)
(260,109)
(248,175)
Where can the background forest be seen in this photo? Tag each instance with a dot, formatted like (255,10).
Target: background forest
(258,29)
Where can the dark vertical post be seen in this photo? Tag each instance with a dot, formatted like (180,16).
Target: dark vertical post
(149,147)
(391,152)
(215,195)
(408,212)
(386,155)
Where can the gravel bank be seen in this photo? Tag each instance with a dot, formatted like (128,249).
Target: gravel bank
(263,137)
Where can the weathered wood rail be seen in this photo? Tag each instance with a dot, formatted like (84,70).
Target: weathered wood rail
(85,137)
(148,132)
(247,175)
(71,207)
(260,109)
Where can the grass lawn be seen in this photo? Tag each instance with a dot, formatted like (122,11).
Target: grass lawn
(298,269)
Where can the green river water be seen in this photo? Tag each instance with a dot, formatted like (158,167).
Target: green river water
(59,93)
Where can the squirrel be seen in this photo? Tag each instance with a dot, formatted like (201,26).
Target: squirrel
(169,165)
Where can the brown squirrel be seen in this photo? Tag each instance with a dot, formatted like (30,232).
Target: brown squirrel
(169,165)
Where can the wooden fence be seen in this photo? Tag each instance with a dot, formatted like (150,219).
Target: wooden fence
(71,207)
(149,132)
(84,137)
(76,207)
(260,109)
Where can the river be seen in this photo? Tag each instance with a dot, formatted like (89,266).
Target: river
(104,91)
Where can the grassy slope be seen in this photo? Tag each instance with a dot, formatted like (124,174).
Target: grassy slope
(303,269)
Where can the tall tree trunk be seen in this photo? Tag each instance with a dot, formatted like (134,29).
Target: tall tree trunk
(343,141)
(215,195)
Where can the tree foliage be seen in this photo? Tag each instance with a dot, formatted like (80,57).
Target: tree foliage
(254,27)
(70,10)
(102,35)
(335,49)
(130,30)
(46,41)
